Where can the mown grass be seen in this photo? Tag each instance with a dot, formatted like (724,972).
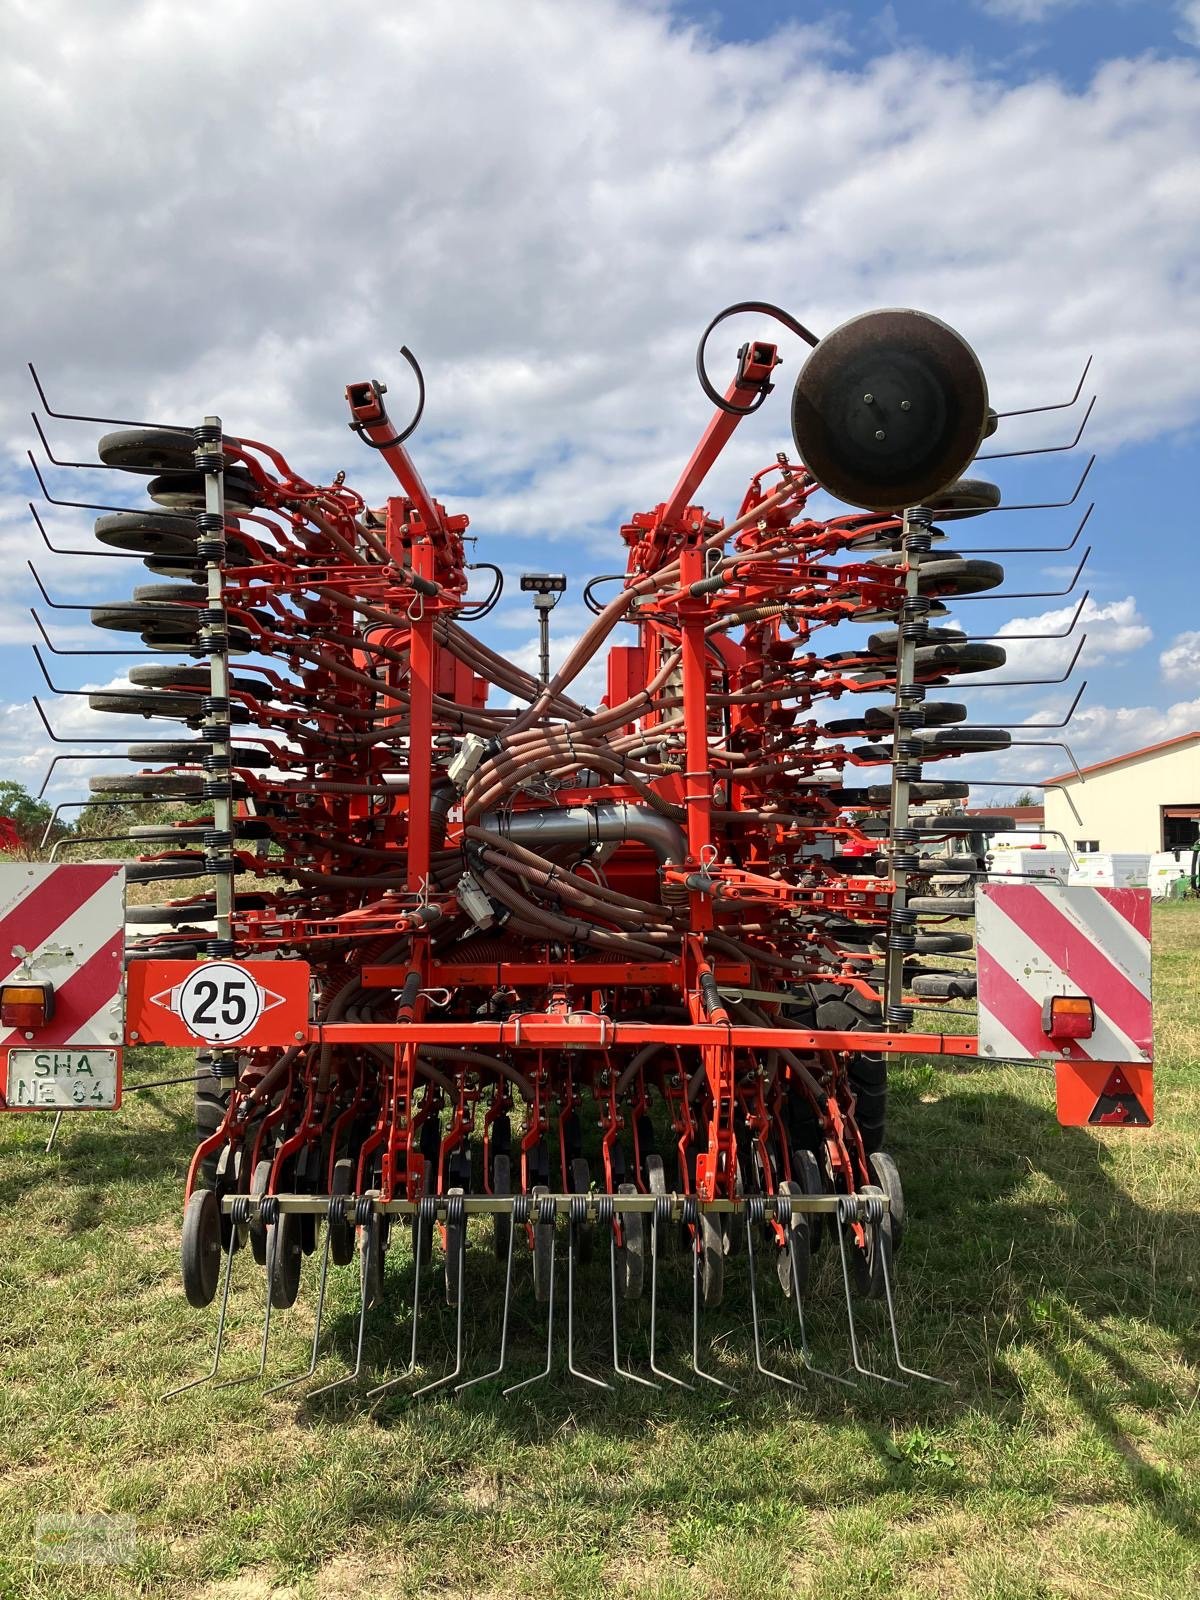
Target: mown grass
(1052,1274)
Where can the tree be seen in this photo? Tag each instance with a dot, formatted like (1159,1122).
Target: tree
(27,815)
(1026,798)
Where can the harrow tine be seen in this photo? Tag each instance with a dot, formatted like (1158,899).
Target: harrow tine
(576,1217)
(805,1352)
(520,1215)
(691,1215)
(320,1312)
(755,1210)
(912,1372)
(846,1212)
(545,1212)
(456,1217)
(660,1216)
(270,1212)
(426,1212)
(207,1377)
(605,1211)
(363,1212)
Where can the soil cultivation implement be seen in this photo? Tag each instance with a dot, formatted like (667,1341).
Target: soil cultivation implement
(471,961)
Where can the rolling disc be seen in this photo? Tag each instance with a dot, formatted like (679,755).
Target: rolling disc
(889,409)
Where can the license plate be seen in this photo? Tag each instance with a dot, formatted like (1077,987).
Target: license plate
(63,1080)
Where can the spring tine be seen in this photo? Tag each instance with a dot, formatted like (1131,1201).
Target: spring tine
(521,1207)
(362,1217)
(660,1215)
(320,1312)
(575,1219)
(456,1216)
(208,1377)
(805,1353)
(545,1212)
(426,1212)
(912,1372)
(634,1377)
(691,1215)
(845,1212)
(753,1209)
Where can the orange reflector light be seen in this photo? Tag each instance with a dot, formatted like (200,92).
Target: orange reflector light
(1068,1016)
(26,1005)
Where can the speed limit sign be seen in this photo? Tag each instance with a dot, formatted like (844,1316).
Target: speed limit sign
(217,1002)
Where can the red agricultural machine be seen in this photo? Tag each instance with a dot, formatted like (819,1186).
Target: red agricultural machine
(469,958)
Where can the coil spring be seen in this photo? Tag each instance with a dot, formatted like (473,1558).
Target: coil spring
(216,788)
(239,1211)
(906,835)
(211,548)
(916,628)
(911,694)
(335,1211)
(755,1209)
(899,1016)
(905,860)
(546,1209)
(220,949)
(522,1210)
(456,1210)
(364,1210)
(783,1210)
(662,1210)
(907,771)
(206,433)
(605,1210)
(920,517)
(217,839)
(691,1211)
(214,705)
(268,1210)
(911,716)
(577,1211)
(212,641)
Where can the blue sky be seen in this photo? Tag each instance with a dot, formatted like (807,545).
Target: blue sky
(547,201)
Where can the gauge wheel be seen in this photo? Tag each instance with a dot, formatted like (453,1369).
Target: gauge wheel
(370,1263)
(200,1247)
(887,1175)
(341,1234)
(285,1257)
(712,1259)
(807,1173)
(868,1262)
(631,1256)
(793,1262)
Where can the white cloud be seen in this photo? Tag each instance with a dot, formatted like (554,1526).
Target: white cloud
(1180,662)
(1113,629)
(1189,16)
(1026,10)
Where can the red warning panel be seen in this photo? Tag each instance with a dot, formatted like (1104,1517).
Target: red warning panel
(1098,1094)
(217,1002)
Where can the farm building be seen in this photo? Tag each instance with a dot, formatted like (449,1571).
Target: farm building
(1144,801)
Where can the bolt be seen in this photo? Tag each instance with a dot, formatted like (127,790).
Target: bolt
(868,399)
(298,1035)
(879,433)
(906,405)
(134,1034)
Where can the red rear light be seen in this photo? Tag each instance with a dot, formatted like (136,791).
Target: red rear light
(26,1005)
(1068,1016)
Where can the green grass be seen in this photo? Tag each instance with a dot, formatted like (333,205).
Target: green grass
(1052,1273)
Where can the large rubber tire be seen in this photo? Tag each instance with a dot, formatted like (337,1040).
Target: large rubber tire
(842,1010)
(200,1247)
(210,1108)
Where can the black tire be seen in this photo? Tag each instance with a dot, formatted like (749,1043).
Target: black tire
(135,617)
(200,1247)
(148,449)
(943,905)
(371,1250)
(918,793)
(806,1171)
(501,1222)
(170,594)
(175,871)
(945,986)
(631,1257)
(968,497)
(210,1108)
(184,491)
(793,1261)
(949,660)
(180,707)
(959,741)
(148,533)
(172,785)
(884,643)
(259,1179)
(285,1258)
(456,1250)
(887,1175)
(341,1234)
(656,1183)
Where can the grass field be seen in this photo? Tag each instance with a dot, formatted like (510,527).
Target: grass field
(1053,1274)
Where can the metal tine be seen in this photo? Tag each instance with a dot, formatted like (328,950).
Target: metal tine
(426,1216)
(659,1218)
(1032,549)
(544,1212)
(912,1372)
(183,517)
(456,1217)
(1045,449)
(99,550)
(363,1212)
(1030,411)
(755,1210)
(54,649)
(71,416)
(235,1220)
(103,466)
(805,1352)
(520,1216)
(1028,594)
(847,1211)
(269,1212)
(1040,505)
(336,1212)
(576,1217)
(691,1215)
(605,1214)
(977,638)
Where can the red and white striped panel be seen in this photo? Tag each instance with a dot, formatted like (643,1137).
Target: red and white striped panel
(1041,939)
(65,924)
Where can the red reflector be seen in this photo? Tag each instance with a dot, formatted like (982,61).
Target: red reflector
(1068,1016)
(26,1005)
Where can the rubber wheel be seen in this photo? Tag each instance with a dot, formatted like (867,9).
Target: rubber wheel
(181,707)
(200,1247)
(456,1246)
(172,785)
(147,533)
(933,789)
(712,1260)
(656,1183)
(867,1265)
(370,1245)
(501,1222)
(148,449)
(341,1234)
(793,1261)
(968,497)
(285,1257)
(170,594)
(887,1175)
(543,1254)
(211,1106)
(184,491)
(807,1173)
(631,1256)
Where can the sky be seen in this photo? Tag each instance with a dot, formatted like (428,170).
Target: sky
(232,209)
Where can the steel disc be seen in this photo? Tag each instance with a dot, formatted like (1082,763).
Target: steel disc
(889,409)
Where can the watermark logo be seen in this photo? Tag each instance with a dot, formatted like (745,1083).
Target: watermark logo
(95,1540)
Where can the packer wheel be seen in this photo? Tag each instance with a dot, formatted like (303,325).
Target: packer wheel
(200,1247)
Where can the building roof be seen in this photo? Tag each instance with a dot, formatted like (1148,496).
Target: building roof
(1033,813)
(1130,755)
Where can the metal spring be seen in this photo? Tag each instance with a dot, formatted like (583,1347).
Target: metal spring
(783,1210)
(908,771)
(456,1210)
(911,716)
(220,949)
(364,1210)
(905,860)
(691,1211)
(210,460)
(605,1210)
(899,1016)
(212,641)
(206,433)
(662,1210)
(210,522)
(911,694)
(335,1211)
(221,866)
(216,788)
(755,1208)
(920,517)
(907,750)
(268,1210)
(239,1211)
(546,1210)
(906,835)
(215,705)
(211,548)
(522,1209)
(915,628)
(217,839)
(578,1210)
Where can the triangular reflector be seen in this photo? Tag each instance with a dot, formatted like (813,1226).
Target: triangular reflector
(1118,1104)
